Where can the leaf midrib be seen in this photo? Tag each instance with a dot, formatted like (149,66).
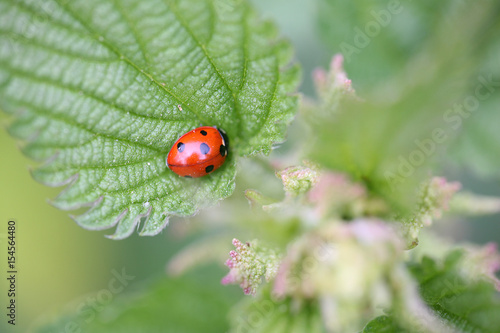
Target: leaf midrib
(132,29)
(202,47)
(122,57)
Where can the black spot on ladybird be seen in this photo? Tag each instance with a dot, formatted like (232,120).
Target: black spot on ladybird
(209,168)
(203,132)
(187,176)
(204,148)
(180,147)
(222,150)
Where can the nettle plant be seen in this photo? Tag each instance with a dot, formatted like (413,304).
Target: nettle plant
(99,92)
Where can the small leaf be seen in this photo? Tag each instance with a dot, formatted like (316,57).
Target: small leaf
(264,314)
(101,90)
(381,324)
(469,305)
(457,293)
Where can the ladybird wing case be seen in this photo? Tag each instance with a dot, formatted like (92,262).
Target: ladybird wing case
(198,152)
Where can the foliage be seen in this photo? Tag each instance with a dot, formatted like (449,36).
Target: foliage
(100,90)
(382,324)
(466,304)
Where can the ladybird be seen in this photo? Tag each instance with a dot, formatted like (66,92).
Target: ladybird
(198,152)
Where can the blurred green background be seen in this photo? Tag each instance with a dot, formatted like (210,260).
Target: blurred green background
(60,263)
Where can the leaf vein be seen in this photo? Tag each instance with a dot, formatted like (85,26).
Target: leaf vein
(130,62)
(49,115)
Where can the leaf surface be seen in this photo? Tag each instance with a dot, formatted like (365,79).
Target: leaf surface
(469,305)
(101,90)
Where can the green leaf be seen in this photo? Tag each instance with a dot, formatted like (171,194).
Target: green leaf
(469,305)
(264,314)
(465,304)
(382,324)
(101,90)
(172,305)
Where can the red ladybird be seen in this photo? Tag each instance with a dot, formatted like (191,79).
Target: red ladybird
(198,152)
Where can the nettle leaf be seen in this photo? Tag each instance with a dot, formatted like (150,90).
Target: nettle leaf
(464,303)
(275,315)
(382,324)
(470,306)
(102,89)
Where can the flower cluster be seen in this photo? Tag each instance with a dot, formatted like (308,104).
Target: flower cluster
(434,199)
(350,270)
(298,179)
(483,262)
(334,81)
(248,264)
(347,266)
